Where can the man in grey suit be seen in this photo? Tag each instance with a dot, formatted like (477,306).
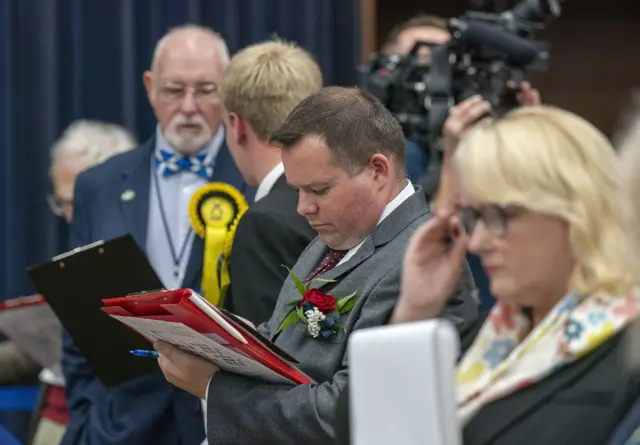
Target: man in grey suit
(345,154)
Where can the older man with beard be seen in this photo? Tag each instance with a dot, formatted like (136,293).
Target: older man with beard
(146,193)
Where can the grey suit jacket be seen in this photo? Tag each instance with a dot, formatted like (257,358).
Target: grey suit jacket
(244,411)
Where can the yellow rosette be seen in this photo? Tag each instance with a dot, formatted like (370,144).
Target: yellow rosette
(214,211)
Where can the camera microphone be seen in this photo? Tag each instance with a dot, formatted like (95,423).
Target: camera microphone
(518,52)
(536,11)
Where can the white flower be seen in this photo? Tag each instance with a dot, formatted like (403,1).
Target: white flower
(313,329)
(314,321)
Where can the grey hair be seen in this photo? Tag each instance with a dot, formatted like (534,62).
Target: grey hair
(223,51)
(95,140)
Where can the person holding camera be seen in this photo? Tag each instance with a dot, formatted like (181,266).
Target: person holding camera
(400,40)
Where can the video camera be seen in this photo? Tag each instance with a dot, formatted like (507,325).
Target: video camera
(486,54)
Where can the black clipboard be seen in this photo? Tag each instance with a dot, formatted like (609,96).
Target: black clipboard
(74,285)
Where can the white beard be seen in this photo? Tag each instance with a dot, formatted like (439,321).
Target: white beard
(189,143)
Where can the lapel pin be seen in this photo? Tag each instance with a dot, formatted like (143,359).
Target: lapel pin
(127,195)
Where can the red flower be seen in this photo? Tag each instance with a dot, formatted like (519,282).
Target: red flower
(324,302)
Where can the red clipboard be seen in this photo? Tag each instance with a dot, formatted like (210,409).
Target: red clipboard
(177,306)
(21,302)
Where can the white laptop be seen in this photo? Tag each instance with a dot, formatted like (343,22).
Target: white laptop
(401,384)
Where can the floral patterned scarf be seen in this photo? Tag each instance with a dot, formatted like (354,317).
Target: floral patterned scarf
(505,357)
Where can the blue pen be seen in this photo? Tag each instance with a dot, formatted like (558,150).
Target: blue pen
(143,353)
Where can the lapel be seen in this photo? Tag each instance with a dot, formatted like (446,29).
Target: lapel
(411,209)
(308,260)
(364,252)
(134,193)
(224,170)
(501,415)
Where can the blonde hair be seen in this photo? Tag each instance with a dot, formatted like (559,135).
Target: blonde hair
(551,161)
(264,82)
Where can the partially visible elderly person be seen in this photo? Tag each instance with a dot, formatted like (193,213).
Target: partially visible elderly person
(83,145)
(541,204)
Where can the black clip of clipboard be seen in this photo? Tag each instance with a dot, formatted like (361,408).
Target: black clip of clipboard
(145,292)
(62,256)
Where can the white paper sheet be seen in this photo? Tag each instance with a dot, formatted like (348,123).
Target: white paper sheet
(37,331)
(198,344)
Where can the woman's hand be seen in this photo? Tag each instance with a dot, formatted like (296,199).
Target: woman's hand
(432,266)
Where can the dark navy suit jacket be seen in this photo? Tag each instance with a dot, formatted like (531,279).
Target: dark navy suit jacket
(147,410)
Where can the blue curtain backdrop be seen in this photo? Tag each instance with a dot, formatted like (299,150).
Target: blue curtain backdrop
(62,60)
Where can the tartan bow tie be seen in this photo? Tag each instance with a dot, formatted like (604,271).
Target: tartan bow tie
(170,163)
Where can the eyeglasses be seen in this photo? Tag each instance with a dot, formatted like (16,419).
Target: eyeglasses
(175,93)
(493,216)
(57,204)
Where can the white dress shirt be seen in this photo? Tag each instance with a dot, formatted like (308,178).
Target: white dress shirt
(175,192)
(268,182)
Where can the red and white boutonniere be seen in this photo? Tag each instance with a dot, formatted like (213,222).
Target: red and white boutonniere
(319,311)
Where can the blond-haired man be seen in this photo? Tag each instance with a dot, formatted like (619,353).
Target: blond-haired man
(260,87)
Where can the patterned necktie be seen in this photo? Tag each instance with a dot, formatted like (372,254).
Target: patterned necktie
(169,163)
(331,260)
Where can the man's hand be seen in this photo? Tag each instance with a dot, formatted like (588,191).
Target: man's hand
(185,371)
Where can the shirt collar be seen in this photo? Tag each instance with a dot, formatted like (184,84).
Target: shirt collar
(268,182)
(211,149)
(405,194)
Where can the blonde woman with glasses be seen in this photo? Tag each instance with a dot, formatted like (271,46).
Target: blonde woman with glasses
(541,204)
